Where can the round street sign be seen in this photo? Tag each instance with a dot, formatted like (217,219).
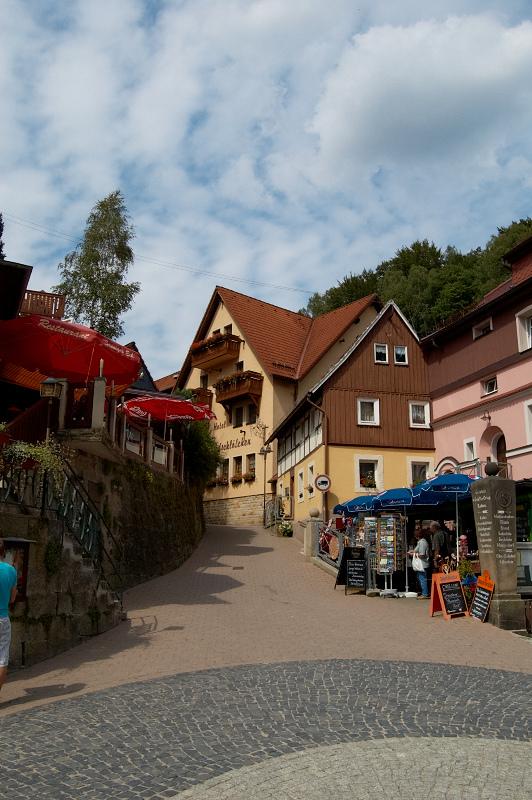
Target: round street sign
(322,483)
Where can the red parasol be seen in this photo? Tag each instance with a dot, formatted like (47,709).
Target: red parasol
(166,408)
(32,348)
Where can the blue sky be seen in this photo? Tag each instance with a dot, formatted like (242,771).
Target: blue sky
(258,140)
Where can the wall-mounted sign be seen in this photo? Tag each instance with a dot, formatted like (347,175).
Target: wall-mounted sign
(322,483)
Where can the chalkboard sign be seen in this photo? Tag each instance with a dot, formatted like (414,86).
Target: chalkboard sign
(482,598)
(349,554)
(356,574)
(453,597)
(447,595)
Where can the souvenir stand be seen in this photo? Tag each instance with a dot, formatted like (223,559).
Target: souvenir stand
(382,536)
(390,536)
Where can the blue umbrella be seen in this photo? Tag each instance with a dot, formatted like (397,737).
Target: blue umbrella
(441,489)
(394,498)
(362,503)
(452,483)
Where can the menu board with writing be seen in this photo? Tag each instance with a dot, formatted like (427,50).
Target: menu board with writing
(482,598)
(447,595)
(356,574)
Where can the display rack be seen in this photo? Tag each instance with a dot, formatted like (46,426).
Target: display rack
(390,537)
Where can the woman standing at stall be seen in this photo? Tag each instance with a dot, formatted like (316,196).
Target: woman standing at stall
(420,561)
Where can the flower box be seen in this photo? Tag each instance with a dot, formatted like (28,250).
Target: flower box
(222,480)
(249,477)
(236,478)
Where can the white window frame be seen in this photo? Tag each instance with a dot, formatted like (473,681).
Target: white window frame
(376,411)
(523,321)
(528,421)
(400,363)
(487,382)
(379,472)
(380,360)
(311,477)
(479,329)
(470,449)
(426,405)
(424,462)
(300,486)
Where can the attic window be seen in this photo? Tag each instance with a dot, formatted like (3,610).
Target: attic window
(484,327)
(228,329)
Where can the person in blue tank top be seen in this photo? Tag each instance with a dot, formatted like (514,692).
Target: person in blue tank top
(8,592)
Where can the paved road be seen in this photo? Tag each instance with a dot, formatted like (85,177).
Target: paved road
(245,671)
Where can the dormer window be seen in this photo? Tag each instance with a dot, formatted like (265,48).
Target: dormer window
(490,386)
(484,327)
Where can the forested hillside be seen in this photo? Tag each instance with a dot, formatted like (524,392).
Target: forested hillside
(428,284)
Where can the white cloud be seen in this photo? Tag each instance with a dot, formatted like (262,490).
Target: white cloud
(287,143)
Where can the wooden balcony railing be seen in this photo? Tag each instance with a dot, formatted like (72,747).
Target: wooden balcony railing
(212,353)
(45,304)
(203,396)
(30,425)
(239,386)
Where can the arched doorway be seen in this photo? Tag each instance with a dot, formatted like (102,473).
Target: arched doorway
(500,449)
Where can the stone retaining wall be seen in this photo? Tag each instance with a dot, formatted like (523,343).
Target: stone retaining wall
(239,511)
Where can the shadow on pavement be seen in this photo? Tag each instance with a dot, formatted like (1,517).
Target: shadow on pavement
(43,692)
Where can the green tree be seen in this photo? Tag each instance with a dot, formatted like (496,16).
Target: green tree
(202,453)
(2,254)
(93,275)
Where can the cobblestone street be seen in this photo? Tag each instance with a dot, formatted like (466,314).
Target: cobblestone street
(245,672)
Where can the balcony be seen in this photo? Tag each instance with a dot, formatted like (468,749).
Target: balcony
(45,304)
(203,396)
(239,386)
(215,351)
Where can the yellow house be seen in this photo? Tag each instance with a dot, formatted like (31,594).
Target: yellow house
(252,360)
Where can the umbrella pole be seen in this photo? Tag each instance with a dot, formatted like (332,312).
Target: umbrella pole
(456,534)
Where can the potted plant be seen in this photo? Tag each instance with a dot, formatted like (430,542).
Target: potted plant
(211,483)
(222,480)
(468,579)
(42,456)
(368,482)
(249,477)
(285,528)
(236,478)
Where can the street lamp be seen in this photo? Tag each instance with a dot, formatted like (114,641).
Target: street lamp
(50,388)
(264,450)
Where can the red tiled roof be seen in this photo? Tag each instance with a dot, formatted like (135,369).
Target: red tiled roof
(289,344)
(522,269)
(168,382)
(502,288)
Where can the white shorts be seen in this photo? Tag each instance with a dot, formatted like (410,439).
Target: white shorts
(5,639)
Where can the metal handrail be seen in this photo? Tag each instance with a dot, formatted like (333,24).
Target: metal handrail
(72,504)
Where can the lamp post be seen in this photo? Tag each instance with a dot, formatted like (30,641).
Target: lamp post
(50,388)
(264,450)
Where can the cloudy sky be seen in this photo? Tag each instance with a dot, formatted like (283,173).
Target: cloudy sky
(272,147)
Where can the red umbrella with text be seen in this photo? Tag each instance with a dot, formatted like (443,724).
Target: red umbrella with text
(167,409)
(33,348)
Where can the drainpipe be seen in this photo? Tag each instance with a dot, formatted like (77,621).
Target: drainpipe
(325,495)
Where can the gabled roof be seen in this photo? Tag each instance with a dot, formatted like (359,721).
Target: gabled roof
(167,383)
(288,344)
(14,279)
(389,308)
(144,382)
